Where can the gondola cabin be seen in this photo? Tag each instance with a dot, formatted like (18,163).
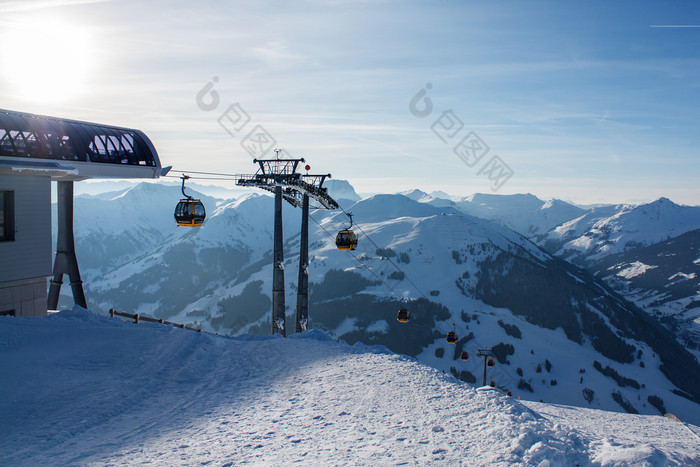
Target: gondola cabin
(451,337)
(346,240)
(190,213)
(464,356)
(403,316)
(491,363)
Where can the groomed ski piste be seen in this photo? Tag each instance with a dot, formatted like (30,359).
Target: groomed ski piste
(84,389)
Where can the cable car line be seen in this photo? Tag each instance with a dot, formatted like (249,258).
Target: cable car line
(451,336)
(204,178)
(348,243)
(390,260)
(403,315)
(204,173)
(360,261)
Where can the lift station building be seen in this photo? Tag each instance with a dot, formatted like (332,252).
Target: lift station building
(34,151)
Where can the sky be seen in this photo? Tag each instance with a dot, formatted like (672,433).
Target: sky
(590,102)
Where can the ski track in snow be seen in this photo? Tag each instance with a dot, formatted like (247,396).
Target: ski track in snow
(81,389)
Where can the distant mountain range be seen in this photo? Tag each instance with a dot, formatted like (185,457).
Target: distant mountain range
(560,333)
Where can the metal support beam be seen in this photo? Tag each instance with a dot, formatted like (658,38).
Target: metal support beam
(278,307)
(302,317)
(280,176)
(485,353)
(65,261)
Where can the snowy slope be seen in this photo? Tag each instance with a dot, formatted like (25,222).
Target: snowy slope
(616,229)
(82,389)
(477,275)
(644,252)
(663,279)
(618,436)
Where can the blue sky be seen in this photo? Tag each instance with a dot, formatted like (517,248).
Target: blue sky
(583,101)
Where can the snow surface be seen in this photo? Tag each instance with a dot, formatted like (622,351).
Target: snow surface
(79,388)
(683,275)
(652,440)
(615,229)
(431,237)
(635,269)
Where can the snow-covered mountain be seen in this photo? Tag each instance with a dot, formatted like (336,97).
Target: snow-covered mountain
(341,191)
(525,214)
(83,389)
(615,229)
(615,243)
(644,252)
(433,200)
(559,334)
(99,187)
(664,280)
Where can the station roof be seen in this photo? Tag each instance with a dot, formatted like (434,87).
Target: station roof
(74,150)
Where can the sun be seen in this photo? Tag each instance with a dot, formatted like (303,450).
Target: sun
(45,59)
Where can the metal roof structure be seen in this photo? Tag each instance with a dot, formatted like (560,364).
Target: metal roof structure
(283,172)
(74,150)
(66,151)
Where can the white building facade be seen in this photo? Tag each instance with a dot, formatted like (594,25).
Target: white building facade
(25,244)
(34,151)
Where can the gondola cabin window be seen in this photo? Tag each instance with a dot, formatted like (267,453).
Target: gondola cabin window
(7,216)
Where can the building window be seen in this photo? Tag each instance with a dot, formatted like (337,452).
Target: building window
(7,216)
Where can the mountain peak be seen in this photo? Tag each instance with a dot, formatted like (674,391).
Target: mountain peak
(441,194)
(490,198)
(555,203)
(663,201)
(415,194)
(341,189)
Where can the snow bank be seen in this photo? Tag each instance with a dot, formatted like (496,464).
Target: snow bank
(635,269)
(79,388)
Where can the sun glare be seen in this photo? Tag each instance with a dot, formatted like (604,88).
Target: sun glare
(45,59)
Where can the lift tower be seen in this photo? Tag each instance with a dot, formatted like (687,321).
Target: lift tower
(309,184)
(486,353)
(280,177)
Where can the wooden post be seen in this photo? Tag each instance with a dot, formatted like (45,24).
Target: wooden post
(136,318)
